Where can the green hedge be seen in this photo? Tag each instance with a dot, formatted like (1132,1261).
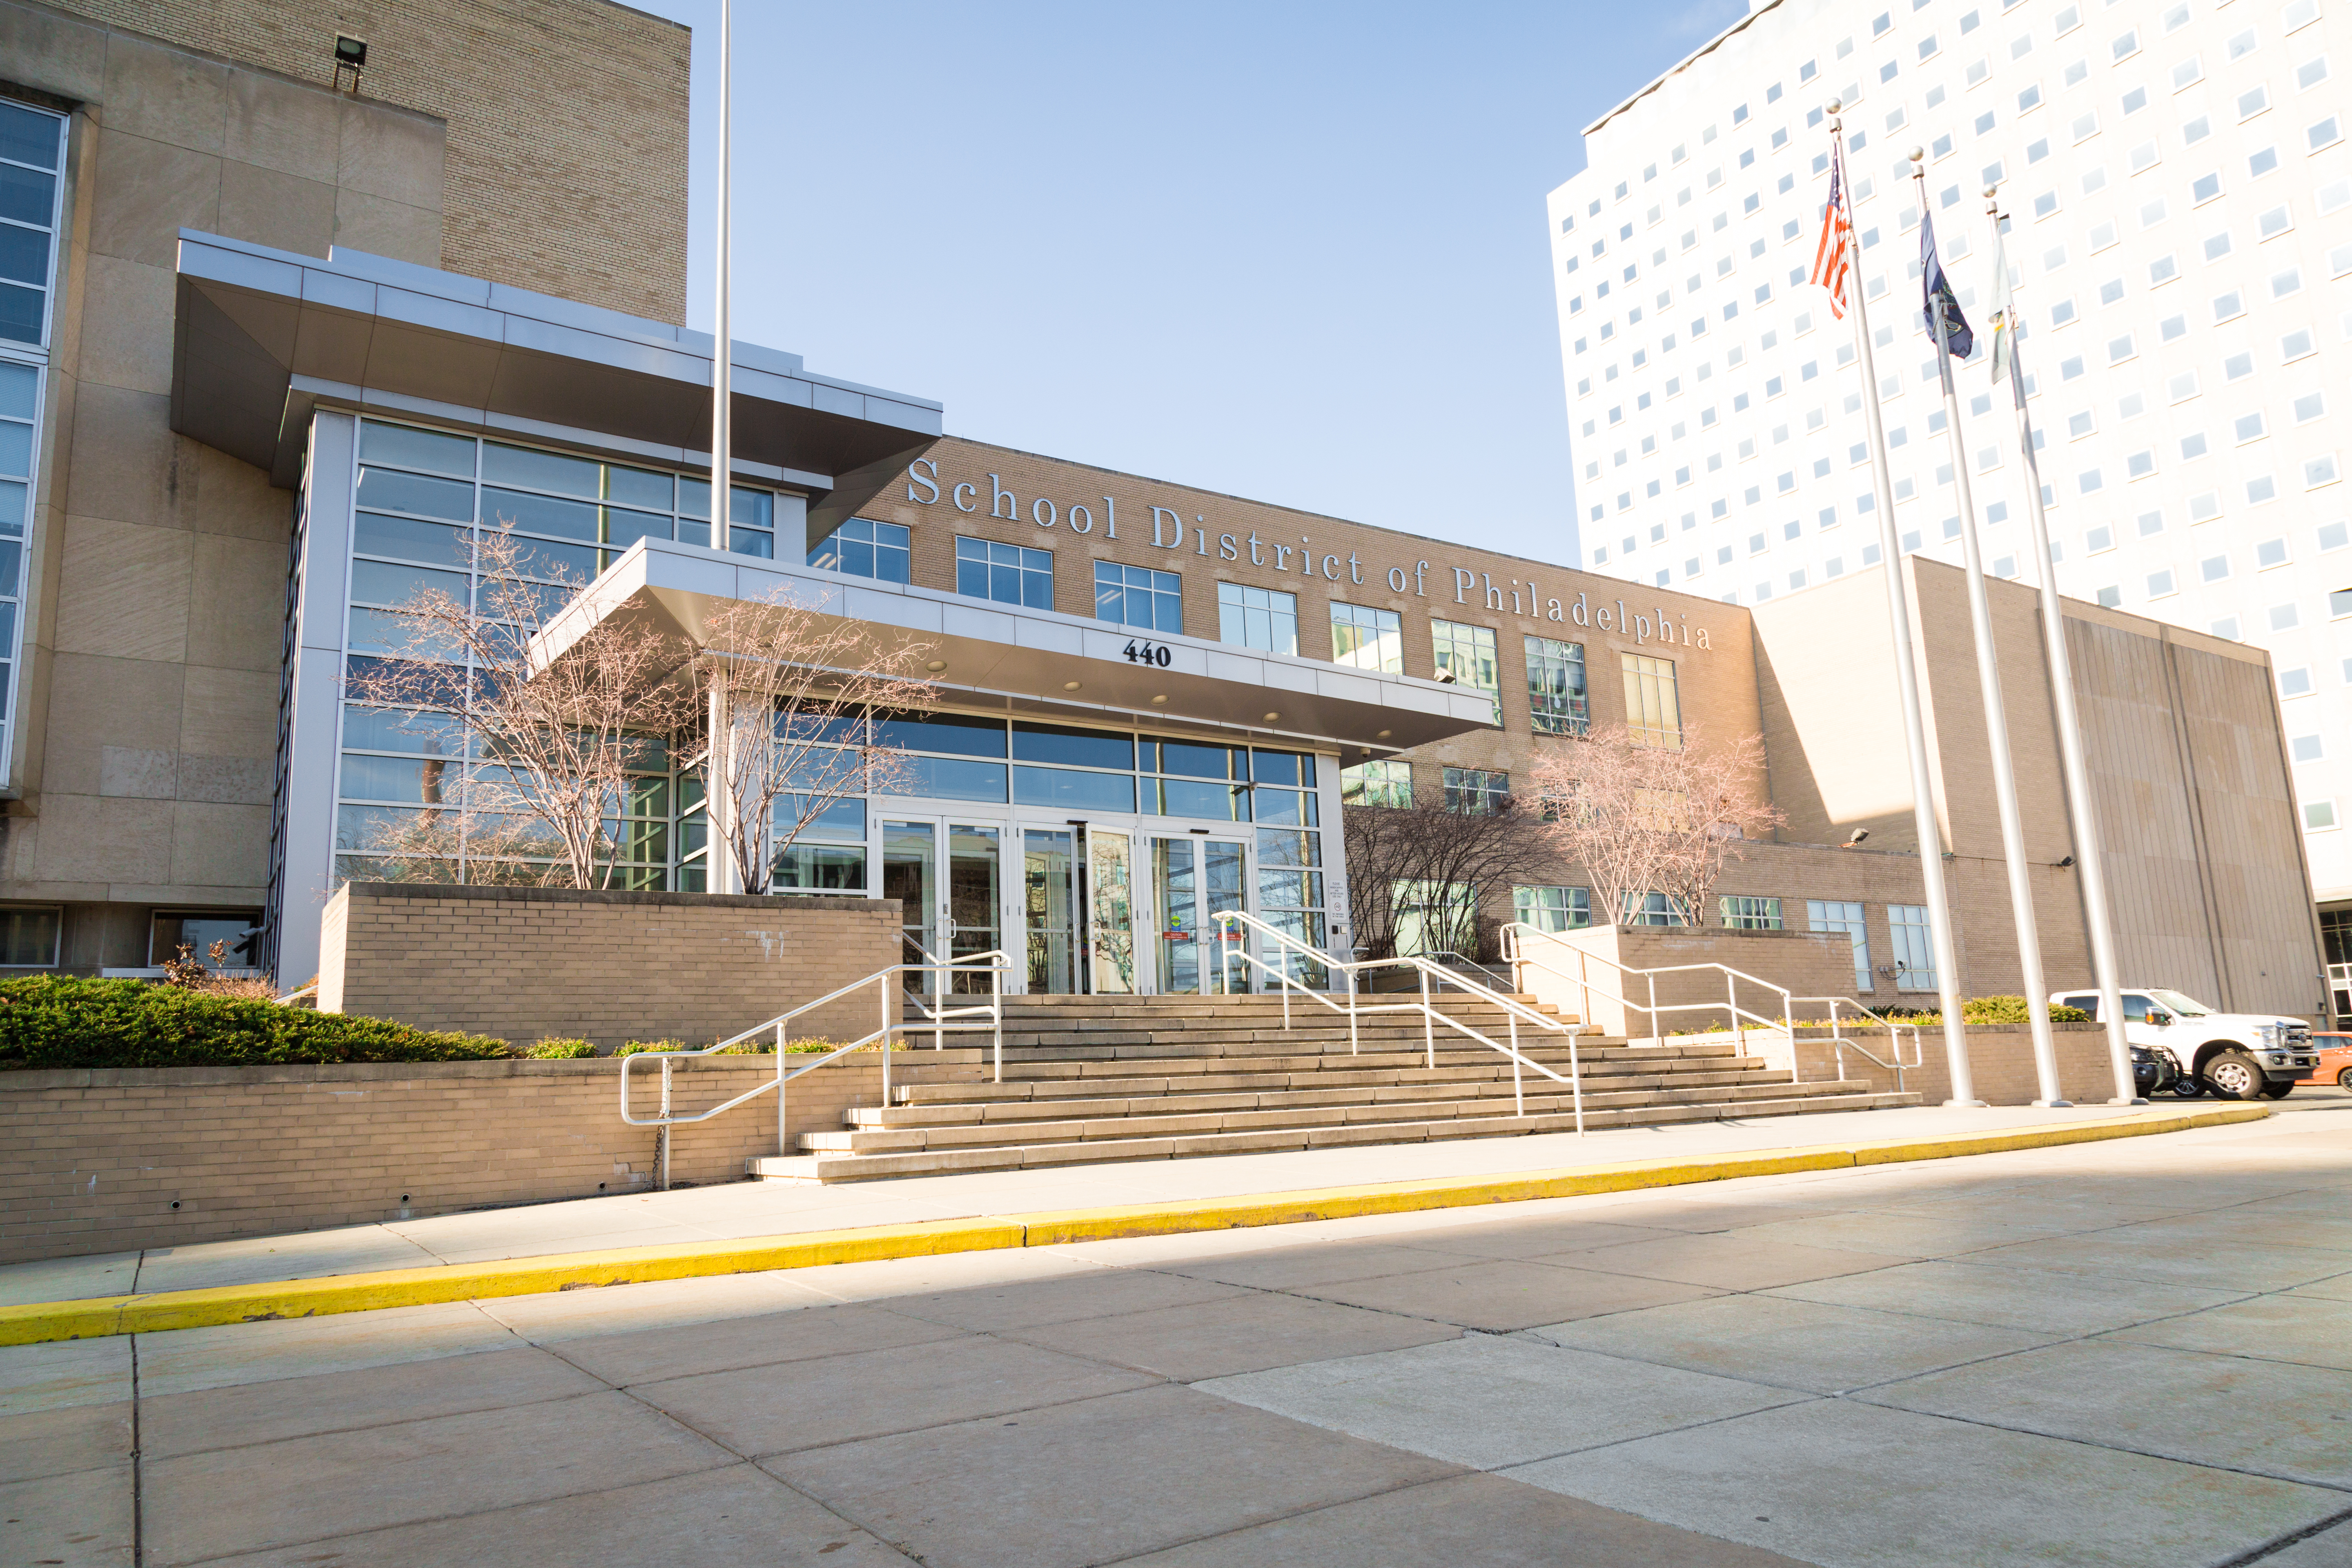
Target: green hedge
(70,1021)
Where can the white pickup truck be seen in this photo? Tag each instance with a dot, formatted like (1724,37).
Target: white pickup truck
(2238,1056)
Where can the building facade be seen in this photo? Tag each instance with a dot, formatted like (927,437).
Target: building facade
(2180,201)
(243,451)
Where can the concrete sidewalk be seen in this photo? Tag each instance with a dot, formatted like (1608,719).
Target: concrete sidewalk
(747,1209)
(2127,1354)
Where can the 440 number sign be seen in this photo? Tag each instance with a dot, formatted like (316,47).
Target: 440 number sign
(1149,653)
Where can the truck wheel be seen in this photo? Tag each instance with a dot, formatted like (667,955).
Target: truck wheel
(2186,1086)
(2278,1089)
(2233,1075)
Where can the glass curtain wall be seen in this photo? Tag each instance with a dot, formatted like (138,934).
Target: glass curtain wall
(419,491)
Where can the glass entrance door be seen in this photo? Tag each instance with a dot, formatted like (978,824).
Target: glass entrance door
(1049,910)
(1195,879)
(911,864)
(975,899)
(1110,913)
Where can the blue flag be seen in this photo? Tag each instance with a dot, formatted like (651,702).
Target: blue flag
(1958,338)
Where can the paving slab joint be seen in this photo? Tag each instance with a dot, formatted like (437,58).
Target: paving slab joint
(158,1312)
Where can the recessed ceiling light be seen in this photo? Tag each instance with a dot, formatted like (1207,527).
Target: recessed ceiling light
(1271,717)
(1069,686)
(1161,698)
(937,664)
(1383,735)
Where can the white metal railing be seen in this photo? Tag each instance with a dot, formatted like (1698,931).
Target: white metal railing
(310,990)
(1517,935)
(1233,948)
(940,1022)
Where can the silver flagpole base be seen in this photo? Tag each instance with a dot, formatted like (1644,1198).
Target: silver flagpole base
(2052,1104)
(1969,1104)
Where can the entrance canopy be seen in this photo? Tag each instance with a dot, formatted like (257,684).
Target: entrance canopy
(264,335)
(1039,661)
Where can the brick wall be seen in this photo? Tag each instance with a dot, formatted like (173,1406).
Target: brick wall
(2001,1059)
(114,1160)
(522,963)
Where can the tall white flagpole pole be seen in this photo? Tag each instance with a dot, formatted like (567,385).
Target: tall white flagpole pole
(1907,683)
(719,874)
(2088,856)
(2004,774)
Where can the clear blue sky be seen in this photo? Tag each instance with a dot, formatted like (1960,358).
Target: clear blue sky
(1292,252)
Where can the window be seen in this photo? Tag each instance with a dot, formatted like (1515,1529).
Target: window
(1555,693)
(1475,791)
(29,141)
(1652,909)
(1847,920)
(1138,597)
(863,548)
(2319,814)
(1915,947)
(1257,617)
(1388,784)
(1552,909)
(1367,638)
(1741,912)
(1465,654)
(1007,574)
(1652,704)
(28,936)
(1434,917)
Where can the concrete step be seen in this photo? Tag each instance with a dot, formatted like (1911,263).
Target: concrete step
(830,1167)
(1124,1121)
(967,1109)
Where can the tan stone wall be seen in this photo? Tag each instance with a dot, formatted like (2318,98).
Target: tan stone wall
(148,706)
(525,963)
(567,132)
(1567,970)
(114,1160)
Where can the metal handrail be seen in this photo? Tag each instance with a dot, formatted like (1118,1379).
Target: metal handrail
(995,963)
(1230,946)
(1514,937)
(309,990)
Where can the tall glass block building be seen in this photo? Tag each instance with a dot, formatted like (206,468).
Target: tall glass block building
(2179,193)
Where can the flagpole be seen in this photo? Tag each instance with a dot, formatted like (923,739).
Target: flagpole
(1907,684)
(719,873)
(2004,773)
(2088,856)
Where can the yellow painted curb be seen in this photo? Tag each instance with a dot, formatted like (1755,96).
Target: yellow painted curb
(151,1313)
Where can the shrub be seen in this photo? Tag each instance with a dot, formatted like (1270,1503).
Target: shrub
(631,1048)
(72,1021)
(552,1050)
(2013,1010)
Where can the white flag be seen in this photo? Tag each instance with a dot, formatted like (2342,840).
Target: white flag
(2004,329)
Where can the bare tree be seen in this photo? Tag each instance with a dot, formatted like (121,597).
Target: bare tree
(1643,818)
(808,694)
(553,744)
(1428,866)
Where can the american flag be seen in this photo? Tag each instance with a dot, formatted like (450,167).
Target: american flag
(1832,262)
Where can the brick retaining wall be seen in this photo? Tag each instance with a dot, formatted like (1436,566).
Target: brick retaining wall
(93,1161)
(522,963)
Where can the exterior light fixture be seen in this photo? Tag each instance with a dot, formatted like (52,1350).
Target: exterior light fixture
(351,55)
(2062,863)
(1271,717)
(936,666)
(1161,698)
(1069,686)
(1856,836)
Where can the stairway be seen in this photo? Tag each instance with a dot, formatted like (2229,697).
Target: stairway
(1098,1078)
